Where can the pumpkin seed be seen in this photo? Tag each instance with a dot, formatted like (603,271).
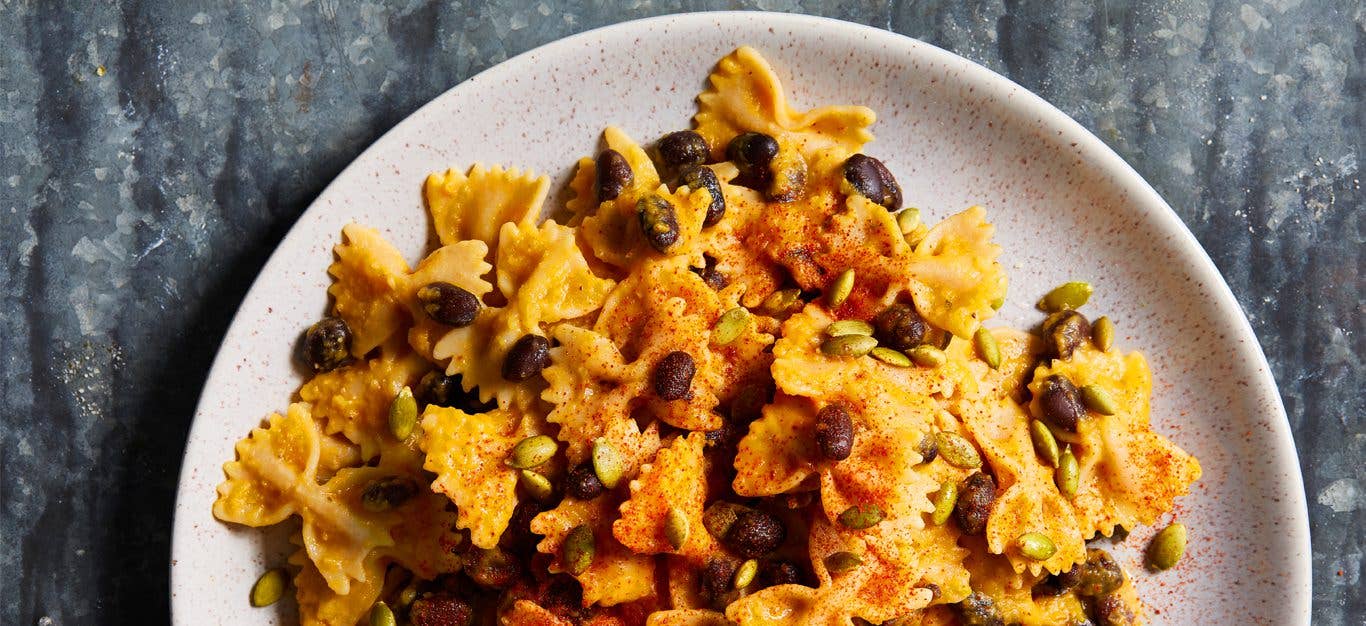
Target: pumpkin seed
(840,288)
(1045,444)
(676,527)
(1036,546)
(403,414)
(382,615)
(848,346)
(957,451)
(531,452)
(1167,547)
(928,356)
(997,303)
(729,326)
(408,594)
(841,562)
(944,501)
(861,516)
(387,493)
(849,327)
(1103,334)
(608,463)
(744,576)
(1098,399)
(579,550)
(719,517)
(535,484)
(890,357)
(987,348)
(908,220)
(1070,295)
(269,588)
(1068,474)
(780,302)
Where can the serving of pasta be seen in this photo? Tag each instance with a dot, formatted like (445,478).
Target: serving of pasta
(732,380)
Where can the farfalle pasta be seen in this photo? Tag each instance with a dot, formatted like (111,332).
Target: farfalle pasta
(733,381)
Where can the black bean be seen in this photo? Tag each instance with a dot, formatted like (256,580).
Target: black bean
(673,376)
(834,432)
(440,609)
(1099,575)
(871,178)
(715,581)
(752,150)
(748,404)
(327,344)
(978,609)
(787,180)
(755,533)
(493,568)
(683,148)
(1061,402)
(928,448)
(1067,331)
(583,483)
(1111,610)
(709,274)
(449,304)
(441,390)
(698,177)
(517,538)
(975,498)
(659,222)
(774,573)
(899,327)
(614,175)
(1058,584)
(526,358)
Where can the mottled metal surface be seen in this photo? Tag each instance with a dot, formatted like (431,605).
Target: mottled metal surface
(152,154)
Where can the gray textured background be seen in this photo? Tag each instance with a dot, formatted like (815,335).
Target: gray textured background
(153,153)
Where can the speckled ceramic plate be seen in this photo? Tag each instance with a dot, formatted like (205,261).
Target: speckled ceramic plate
(955,134)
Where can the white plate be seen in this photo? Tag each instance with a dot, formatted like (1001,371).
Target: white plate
(955,134)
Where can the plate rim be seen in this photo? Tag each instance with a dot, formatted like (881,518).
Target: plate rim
(1095,151)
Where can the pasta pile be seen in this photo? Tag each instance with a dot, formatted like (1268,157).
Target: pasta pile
(730,383)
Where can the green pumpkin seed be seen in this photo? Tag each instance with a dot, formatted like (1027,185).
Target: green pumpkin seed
(1036,546)
(859,517)
(719,516)
(531,452)
(535,484)
(987,348)
(1098,399)
(729,326)
(382,615)
(890,356)
(908,220)
(744,575)
(957,451)
(944,501)
(780,301)
(387,493)
(408,594)
(579,550)
(1070,295)
(403,414)
(1045,444)
(1103,333)
(848,346)
(997,303)
(840,289)
(928,356)
(676,527)
(841,562)
(1068,474)
(849,327)
(608,463)
(1167,546)
(269,588)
